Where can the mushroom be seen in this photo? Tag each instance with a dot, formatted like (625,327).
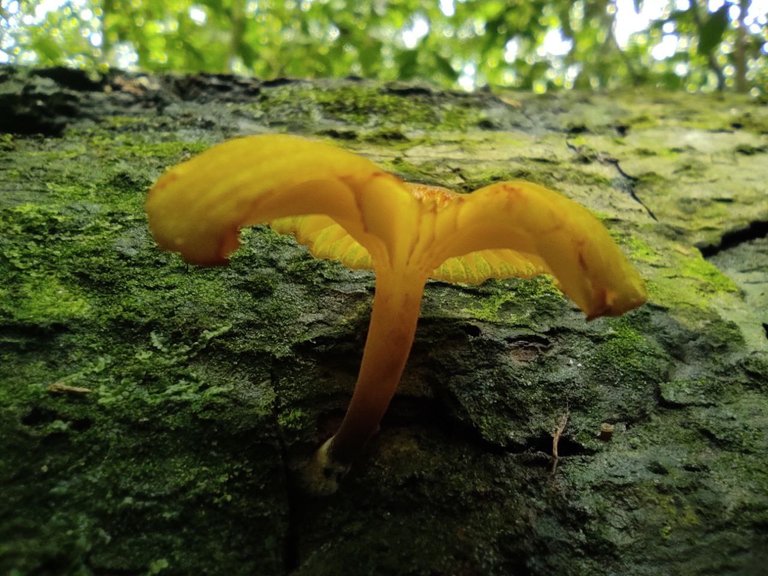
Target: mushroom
(344,207)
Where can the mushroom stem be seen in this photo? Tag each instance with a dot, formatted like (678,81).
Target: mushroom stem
(394,315)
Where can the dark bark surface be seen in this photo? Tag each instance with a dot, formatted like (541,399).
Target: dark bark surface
(153,415)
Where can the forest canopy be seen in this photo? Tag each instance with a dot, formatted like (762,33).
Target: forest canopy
(539,45)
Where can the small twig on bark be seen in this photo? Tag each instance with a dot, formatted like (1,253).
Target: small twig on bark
(556,439)
(62,388)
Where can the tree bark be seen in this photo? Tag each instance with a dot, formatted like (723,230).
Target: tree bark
(154,416)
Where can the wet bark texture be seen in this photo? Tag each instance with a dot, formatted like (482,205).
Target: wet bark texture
(153,414)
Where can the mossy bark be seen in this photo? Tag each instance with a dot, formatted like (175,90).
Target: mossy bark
(153,415)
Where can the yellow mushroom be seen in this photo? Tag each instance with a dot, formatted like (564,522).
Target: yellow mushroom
(342,206)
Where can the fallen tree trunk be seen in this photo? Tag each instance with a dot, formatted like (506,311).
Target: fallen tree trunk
(153,414)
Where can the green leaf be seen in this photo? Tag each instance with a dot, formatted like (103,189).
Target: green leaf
(712,31)
(48,49)
(407,63)
(445,68)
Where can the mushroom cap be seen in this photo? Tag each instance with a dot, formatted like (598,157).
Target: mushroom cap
(344,207)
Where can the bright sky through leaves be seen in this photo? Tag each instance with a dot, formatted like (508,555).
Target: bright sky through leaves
(540,45)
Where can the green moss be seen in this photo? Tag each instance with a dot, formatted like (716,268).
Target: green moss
(173,151)
(677,515)
(293,420)
(626,370)
(122,122)
(374,112)
(688,281)
(87,301)
(359,105)
(697,391)
(697,268)
(7,142)
(42,301)
(488,308)
(623,342)
(640,251)
(516,300)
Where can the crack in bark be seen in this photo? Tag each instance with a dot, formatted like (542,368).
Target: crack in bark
(290,546)
(603,158)
(733,238)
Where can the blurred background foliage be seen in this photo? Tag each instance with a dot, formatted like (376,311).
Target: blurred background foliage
(540,45)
